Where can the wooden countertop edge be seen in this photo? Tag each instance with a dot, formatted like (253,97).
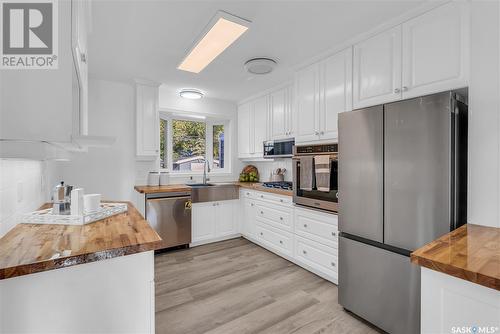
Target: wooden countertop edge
(69,261)
(468,275)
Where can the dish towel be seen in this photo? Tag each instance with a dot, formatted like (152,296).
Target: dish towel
(322,168)
(306,173)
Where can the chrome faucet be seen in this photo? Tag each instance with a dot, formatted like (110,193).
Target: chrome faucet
(206,166)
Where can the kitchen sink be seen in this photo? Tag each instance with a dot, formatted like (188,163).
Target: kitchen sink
(211,192)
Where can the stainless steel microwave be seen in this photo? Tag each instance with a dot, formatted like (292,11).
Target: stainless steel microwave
(282,148)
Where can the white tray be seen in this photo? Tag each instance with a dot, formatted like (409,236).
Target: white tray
(46,216)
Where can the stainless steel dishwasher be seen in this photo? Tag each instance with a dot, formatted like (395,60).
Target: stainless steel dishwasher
(170,215)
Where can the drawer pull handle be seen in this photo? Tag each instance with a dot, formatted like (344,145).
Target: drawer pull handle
(305,225)
(334,234)
(281,242)
(304,252)
(333,264)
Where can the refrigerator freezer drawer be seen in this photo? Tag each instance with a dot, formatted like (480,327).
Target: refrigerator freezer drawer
(379,286)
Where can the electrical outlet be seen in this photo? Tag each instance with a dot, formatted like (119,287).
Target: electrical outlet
(19,192)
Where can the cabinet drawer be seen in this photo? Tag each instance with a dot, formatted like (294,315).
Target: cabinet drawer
(280,218)
(320,228)
(276,239)
(317,256)
(272,198)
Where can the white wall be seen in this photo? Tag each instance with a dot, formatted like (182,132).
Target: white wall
(110,171)
(484,111)
(23,188)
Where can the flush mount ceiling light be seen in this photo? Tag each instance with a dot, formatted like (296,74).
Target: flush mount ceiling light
(260,65)
(220,33)
(192,94)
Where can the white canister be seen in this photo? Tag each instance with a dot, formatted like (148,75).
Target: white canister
(77,202)
(91,202)
(163,178)
(153,179)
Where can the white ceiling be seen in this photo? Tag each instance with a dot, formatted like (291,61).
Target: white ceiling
(148,39)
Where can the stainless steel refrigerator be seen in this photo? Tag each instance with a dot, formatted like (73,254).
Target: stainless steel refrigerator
(402,183)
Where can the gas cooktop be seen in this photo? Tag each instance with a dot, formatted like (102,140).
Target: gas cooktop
(278,185)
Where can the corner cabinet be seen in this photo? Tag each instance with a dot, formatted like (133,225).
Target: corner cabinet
(322,90)
(403,62)
(253,128)
(147,120)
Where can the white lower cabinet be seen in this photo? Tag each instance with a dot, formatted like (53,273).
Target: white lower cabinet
(213,221)
(274,239)
(306,237)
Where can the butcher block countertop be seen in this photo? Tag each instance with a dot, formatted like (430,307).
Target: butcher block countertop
(32,248)
(185,188)
(471,252)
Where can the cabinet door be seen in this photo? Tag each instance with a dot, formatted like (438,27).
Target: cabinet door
(244,125)
(377,69)
(249,219)
(278,110)
(224,218)
(80,21)
(148,132)
(439,63)
(336,93)
(306,111)
(203,220)
(290,115)
(260,122)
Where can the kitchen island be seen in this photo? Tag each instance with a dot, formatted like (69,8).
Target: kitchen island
(460,281)
(97,277)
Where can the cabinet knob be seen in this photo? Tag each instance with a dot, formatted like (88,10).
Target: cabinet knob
(305,225)
(248,194)
(281,218)
(333,264)
(262,212)
(281,200)
(83,58)
(304,252)
(397,90)
(316,133)
(261,233)
(251,204)
(334,234)
(281,242)
(322,132)
(405,88)
(261,196)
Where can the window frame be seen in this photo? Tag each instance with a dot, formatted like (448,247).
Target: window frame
(210,121)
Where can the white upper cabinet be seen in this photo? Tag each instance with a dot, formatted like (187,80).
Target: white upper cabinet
(244,125)
(280,113)
(336,92)
(435,52)
(147,121)
(253,121)
(323,90)
(307,104)
(377,69)
(260,124)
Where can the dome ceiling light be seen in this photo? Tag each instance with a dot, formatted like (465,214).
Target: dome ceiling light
(192,94)
(260,65)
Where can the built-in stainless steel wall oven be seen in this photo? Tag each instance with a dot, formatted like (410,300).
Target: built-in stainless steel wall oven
(315,173)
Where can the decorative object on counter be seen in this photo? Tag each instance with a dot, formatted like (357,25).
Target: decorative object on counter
(48,216)
(249,174)
(61,199)
(91,203)
(278,175)
(153,179)
(77,202)
(163,178)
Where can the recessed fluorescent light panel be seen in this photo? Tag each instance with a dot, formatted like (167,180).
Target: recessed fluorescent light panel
(220,33)
(192,94)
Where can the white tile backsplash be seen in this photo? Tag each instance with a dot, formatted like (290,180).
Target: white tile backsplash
(22,189)
(266,167)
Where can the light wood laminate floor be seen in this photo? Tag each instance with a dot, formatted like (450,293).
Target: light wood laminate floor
(236,286)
